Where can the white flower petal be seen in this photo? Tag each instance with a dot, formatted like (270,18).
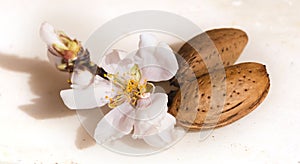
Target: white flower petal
(153,122)
(147,40)
(111,61)
(155,108)
(48,35)
(88,98)
(158,62)
(165,136)
(156,73)
(117,123)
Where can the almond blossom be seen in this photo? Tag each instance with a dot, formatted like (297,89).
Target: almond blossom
(126,87)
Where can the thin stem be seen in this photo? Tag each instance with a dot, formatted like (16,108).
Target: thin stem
(101,72)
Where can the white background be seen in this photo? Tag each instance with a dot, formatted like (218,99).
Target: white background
(36,126)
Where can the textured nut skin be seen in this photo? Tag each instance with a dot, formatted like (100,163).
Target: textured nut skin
(246,86)
(203,52)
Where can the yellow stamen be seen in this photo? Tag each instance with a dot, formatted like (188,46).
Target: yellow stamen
(131,89)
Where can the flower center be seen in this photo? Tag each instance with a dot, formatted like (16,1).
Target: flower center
(130,87)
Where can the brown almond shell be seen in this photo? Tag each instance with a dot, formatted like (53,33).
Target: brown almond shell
(237,92)
(210,50)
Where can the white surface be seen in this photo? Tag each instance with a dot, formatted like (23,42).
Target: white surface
(37,127)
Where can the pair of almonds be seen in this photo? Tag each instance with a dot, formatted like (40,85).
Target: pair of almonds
(210,51)
(211,96)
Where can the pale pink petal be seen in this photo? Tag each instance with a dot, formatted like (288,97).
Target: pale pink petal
(111,61)
(88,98)
(153,123)
(157,63)
(144,102)
(156,106)
(153,119)
(117,123)
(147,40)
(156,74)
(166,133)
(48,35)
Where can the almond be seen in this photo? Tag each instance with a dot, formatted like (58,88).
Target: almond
(222,97)
(209,51)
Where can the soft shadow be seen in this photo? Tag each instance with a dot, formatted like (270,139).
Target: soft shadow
(84,139)
(45,82)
